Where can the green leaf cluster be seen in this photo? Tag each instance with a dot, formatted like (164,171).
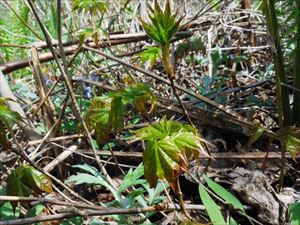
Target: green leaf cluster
(90,6)
(7,119)
(169,146)
(133,178)
(26,180)
(106,113)
(150,54)
(163,25)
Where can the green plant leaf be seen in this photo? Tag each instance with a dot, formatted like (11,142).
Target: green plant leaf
(93,178)
(211,207)
(150,54)
(169,145)
(117,113)
(26,180)
(35,211)
(97,118)
(224,194)
(163,25)
(132,178)
(91,6)
(8,212)
(294,211)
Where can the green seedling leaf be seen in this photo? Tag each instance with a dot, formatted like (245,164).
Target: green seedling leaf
(106,113)
(97,118)
(150,54)
(7,119)
(163,25)
(132,178)
(26,180)
(169,145)
(8,212)
(294,211)
(211,207)
(94,178)
(90,6)
(224,194)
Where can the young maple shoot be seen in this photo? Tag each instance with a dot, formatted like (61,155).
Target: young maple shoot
(169,146)
(162,28)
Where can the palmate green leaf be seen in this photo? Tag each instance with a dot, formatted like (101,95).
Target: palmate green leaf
(138,96)
(97,118)
(163,25)
(91,6)
(26,180)
(211,207)
(150,54)
(106,113)
(169,145)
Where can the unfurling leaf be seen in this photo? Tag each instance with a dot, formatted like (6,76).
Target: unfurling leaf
(169,146)
(97,118)
(150,54)
(163,25)
(90,6)
(106,114)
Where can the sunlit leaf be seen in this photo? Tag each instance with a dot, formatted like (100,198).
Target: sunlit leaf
(163,25)
(97,118)
(106,113)
(26,180)
(211,207)
(169,146)
(150,54)
(90,6)
(224,194)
